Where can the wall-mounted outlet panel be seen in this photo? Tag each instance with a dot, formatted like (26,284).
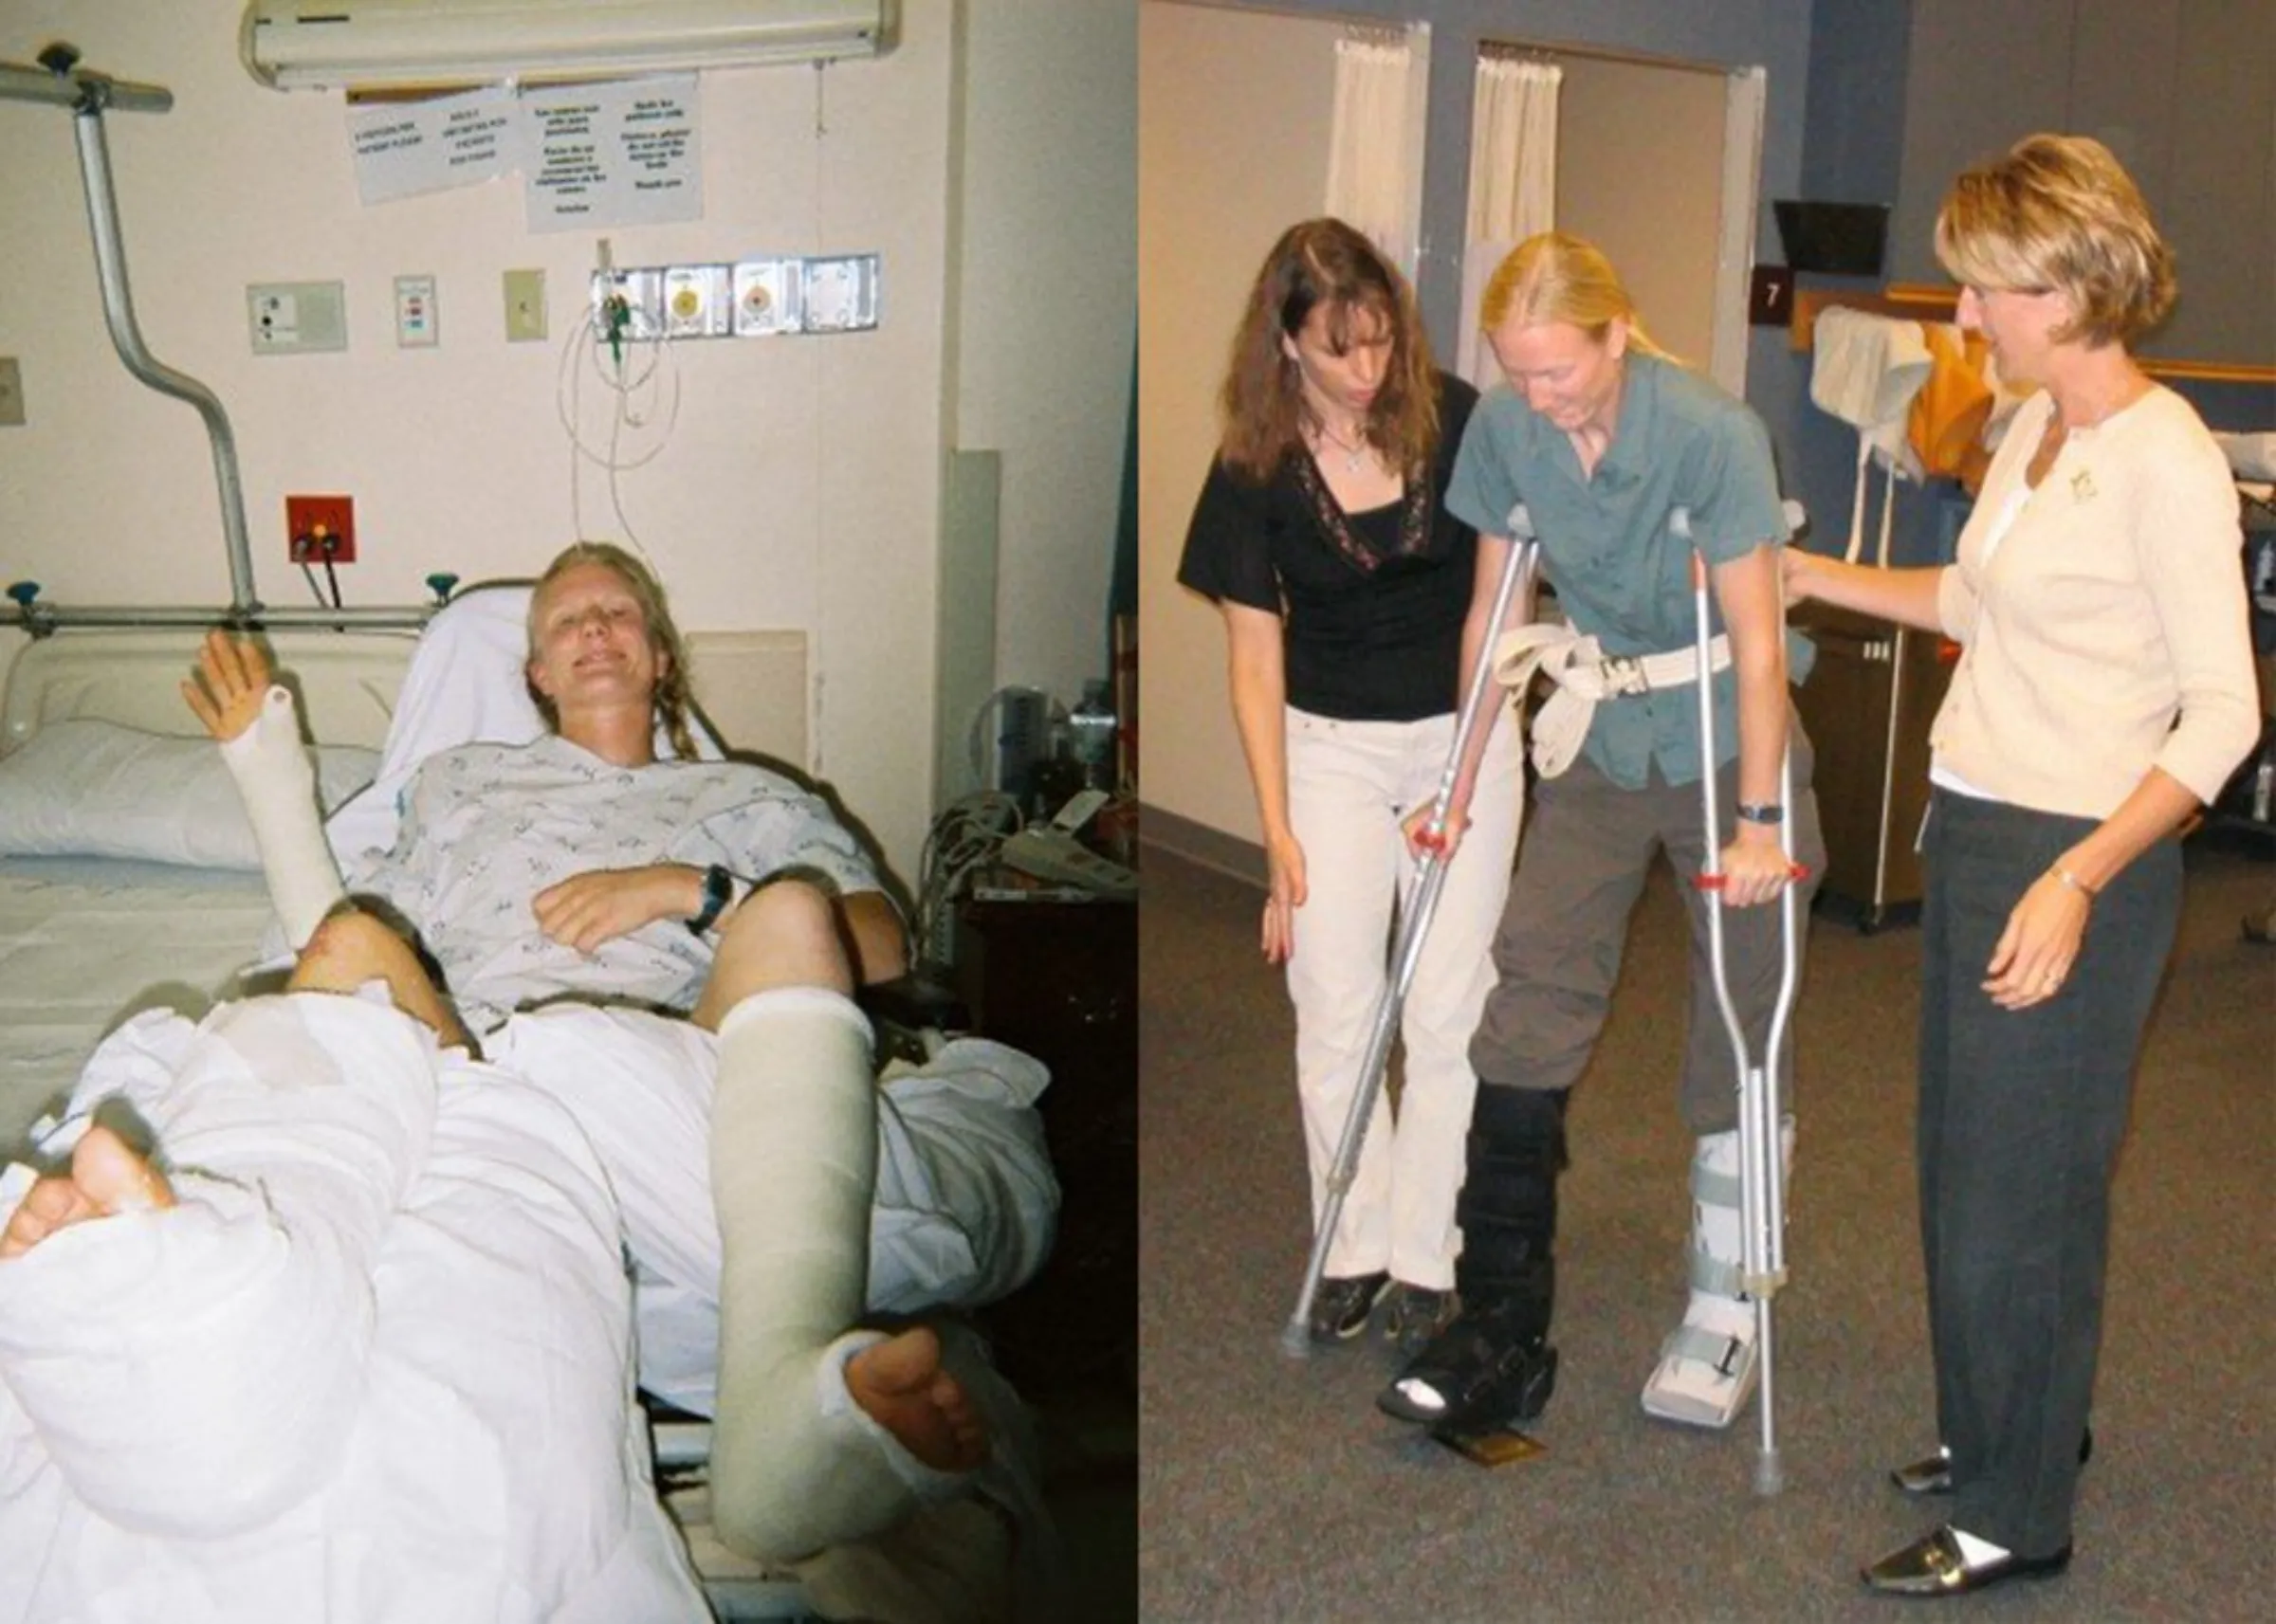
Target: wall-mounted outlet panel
(768,297)
(525,306)
(643,294)
(841,293)
(698,301)
(753,297)
(418,322)
(12,393)
(293,318)
(320,528)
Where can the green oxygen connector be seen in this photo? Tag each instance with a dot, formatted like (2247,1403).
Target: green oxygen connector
(620,318)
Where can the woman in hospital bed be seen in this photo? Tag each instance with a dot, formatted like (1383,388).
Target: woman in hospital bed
(804,1456)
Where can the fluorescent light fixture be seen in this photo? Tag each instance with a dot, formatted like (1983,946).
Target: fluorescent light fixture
(298,44)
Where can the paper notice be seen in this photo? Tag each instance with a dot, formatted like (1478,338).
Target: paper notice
(403,148)
(623,154)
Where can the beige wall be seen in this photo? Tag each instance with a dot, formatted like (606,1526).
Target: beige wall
(1047,273)
(799,488)
(1640,172)
(1233,117)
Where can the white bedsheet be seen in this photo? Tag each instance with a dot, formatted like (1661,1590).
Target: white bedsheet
(85,942)
(375,1366)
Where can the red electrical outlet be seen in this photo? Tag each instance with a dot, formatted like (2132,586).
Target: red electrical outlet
(320,528)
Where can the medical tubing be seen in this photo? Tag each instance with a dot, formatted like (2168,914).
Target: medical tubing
(119,315)
(1295,1336)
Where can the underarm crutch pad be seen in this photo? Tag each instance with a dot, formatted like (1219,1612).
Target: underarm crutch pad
(795,1465)
(277,784)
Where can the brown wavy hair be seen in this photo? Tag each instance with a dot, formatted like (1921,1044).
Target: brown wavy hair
(2060,213)
(672,703)
(1263,406)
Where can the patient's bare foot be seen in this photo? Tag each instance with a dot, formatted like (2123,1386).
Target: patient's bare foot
(106,1176)
(902,1385)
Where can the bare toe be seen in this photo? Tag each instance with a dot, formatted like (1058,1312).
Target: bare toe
(114,1177)
(47,1206)
(900,1385)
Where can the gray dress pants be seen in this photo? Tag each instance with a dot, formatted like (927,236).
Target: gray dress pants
(2020,1117)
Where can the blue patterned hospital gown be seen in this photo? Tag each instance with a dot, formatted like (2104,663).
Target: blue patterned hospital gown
(487,827)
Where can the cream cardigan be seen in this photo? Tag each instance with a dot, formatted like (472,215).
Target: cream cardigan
(2106,630)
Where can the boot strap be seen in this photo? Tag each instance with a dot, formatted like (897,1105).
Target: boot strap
(1717,1276)
(1724,1352)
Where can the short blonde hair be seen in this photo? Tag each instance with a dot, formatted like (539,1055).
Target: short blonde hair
(2059,213)
(1558,276)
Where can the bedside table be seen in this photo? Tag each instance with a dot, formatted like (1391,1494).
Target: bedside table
(1059,980)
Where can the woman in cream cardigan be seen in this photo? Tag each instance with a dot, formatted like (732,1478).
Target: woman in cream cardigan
(2104,691)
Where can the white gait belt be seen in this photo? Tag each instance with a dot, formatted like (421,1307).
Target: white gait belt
(1584,674)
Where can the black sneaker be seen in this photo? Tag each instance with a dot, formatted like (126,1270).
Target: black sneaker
(1340,1308)
(1417,1314)
(1489,1367)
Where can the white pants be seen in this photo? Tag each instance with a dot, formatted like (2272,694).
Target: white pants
(966,1204)
(1350,783)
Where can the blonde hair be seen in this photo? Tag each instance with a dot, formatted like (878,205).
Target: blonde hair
(1558,276)
(1262,403)
(2059,213)
(671,697)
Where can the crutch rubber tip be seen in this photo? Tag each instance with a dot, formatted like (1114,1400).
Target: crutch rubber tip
(1770,1477)
(1295,1339)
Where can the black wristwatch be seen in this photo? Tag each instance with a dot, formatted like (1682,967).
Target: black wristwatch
(718,890)
(1755,813)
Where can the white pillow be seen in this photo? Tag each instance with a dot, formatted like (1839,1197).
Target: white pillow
(94,788)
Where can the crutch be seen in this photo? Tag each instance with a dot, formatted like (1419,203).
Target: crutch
(1761,1172)
(1430,878)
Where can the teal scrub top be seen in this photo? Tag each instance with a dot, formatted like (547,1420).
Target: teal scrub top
(1620,574)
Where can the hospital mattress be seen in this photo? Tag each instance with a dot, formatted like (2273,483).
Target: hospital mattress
(86,941)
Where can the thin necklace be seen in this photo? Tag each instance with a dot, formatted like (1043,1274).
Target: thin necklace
(1354,455)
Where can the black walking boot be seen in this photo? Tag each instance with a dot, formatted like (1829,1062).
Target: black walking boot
(1493,1364)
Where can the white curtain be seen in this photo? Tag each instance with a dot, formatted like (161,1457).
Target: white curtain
(1513,184)
(1734,242)
(1375,148)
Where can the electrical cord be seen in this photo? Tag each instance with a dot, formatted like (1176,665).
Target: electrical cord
(964,839)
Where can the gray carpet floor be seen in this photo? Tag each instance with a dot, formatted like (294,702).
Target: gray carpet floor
(1271,1488)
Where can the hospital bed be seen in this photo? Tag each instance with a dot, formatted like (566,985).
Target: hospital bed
(128,881)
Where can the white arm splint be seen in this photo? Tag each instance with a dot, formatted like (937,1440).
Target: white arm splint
(273,775)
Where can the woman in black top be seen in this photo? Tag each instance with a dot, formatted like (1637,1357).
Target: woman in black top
(1353,613)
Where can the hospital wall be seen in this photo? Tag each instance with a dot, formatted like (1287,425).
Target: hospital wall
(798,483)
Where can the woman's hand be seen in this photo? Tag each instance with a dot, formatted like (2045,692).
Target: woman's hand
(1422,840)
(1286,860)
(1756,868)
(2041,943)
(231,685)
(601,905)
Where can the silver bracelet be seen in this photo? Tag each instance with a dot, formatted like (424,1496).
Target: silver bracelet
(2072,882)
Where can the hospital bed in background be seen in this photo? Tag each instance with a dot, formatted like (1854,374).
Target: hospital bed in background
(129,881)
